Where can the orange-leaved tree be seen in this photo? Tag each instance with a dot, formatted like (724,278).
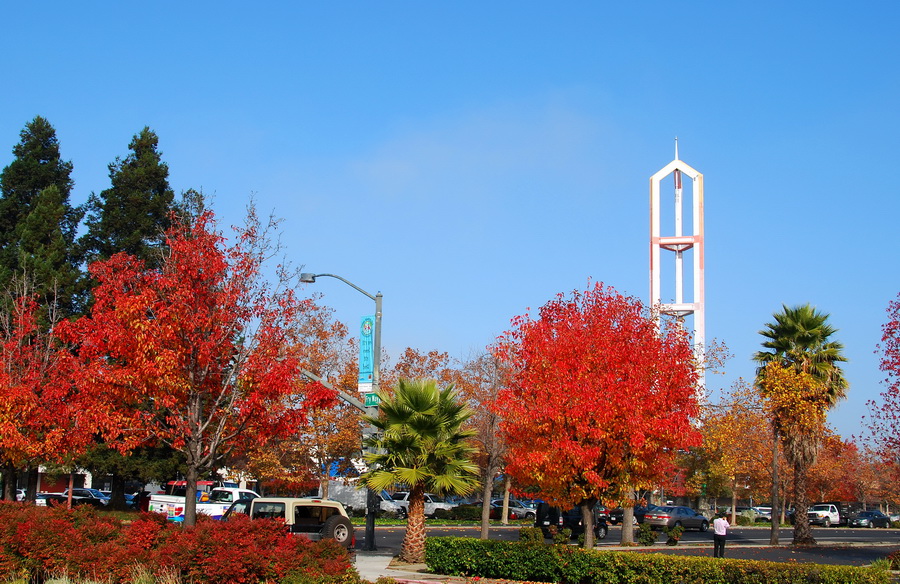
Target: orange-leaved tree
(600,400)
(43,418)
(797,404)
(197,351)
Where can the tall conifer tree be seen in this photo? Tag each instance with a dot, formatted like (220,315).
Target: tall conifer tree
(133,214)
(37,222)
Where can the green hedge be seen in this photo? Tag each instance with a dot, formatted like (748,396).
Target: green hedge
(458,556)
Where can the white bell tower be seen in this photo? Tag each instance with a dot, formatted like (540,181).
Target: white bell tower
(679,302)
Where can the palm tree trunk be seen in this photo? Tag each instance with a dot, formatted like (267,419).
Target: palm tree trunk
(413,548)
(802,532)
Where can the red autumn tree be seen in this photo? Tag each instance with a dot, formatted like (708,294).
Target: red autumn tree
(600,400)
(42,416)
(886,414)
(197,352)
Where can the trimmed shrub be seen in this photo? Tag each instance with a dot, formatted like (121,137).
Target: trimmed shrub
(531,535)
(646,535)
(744,520)
(37,542)
(570,565)
(466,512)
(562,536)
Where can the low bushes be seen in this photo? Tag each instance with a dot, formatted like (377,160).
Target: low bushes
(84,543)
(571,565)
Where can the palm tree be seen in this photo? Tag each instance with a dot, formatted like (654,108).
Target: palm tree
(799,340)
(420,443)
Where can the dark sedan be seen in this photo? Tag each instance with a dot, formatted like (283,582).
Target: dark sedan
(615,516)
(870,519)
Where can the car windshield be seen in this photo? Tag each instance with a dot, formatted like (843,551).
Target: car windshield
(399,496)
(221,496)
(436,499)
(821,507)
(664,509)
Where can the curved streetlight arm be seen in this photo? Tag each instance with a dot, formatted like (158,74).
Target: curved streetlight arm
(310,278)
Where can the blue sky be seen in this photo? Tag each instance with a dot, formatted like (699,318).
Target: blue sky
(470,160)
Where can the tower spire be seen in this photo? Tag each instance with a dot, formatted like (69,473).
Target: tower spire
(676,147)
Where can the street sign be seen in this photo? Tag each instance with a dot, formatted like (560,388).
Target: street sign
(372,400)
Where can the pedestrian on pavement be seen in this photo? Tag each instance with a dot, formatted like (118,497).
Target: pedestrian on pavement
(720,530)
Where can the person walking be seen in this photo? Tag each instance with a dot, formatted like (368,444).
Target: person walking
(720,530)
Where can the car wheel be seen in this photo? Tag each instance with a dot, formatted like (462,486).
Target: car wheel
(827,522)
(677,524)
(601,532)
(704,525)
(871,524)
(338,528)
(529,516)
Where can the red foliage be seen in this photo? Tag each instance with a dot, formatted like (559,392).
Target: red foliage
(601,399)
(195,353)
(886,415)
(85,543)
(42,417)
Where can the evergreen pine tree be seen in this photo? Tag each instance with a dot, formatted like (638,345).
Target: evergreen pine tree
(133,214)
(37,222)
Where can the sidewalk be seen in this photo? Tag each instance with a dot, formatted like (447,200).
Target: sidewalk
(380,563)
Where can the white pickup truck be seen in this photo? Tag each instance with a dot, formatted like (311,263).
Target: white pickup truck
(825,514)
(214,503)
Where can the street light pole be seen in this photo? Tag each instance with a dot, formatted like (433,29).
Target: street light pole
(372,411)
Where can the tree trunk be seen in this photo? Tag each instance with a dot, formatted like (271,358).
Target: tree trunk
(9,482)
(32,486)
(587,519)
(190,496)
(504,518)
(733,503)
(802,532)
(627,525)
(413,548)
(117,493)
(486,504)
(71,489)
(773,533)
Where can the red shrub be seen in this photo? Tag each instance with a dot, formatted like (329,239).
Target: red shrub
(87,543)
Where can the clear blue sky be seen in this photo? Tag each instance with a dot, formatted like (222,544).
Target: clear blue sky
(472,159)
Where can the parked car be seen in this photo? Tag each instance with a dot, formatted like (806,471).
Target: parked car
(496,511)
(314,518)
(516,508)
(548,517)
(872,518)
(616,515)
(668,517)
(602,511)
(387,504)
(763,514)
(80,496)
(432,502)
